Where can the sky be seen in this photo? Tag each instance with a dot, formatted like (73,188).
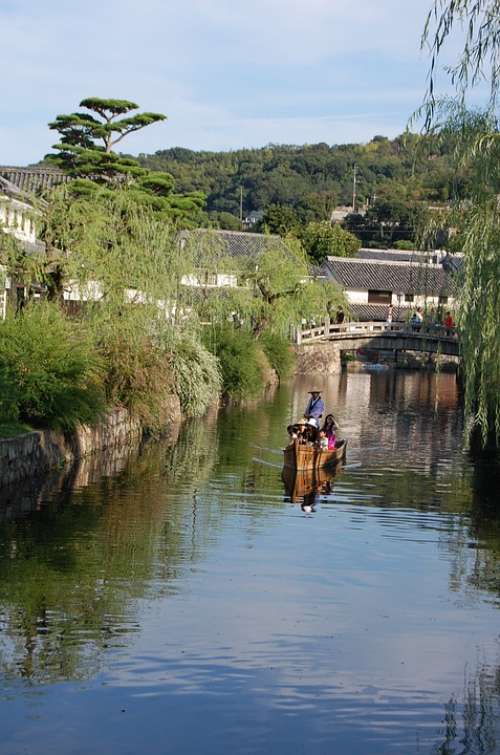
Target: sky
(227,74)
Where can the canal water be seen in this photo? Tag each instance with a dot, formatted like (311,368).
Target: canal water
(185,600)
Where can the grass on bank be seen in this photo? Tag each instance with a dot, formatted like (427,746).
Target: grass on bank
(13,429)
(279,353)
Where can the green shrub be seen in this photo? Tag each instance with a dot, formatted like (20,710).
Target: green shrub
(9,395)
(405,245)
(50,373)
(239,359)
(196,375)
(137,368)
(279,353)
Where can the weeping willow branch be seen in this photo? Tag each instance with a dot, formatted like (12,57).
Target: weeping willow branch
(478,21)
(476,221)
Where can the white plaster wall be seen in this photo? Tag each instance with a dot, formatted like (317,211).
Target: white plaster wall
(16,219)
(357,297)
(91,292)
(223,280)
(227,280)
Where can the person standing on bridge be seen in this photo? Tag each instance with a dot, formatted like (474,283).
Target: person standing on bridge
(448,321)
(315,408)
(390,311)
(417,319)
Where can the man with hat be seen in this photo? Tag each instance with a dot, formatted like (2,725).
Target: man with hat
(315,408)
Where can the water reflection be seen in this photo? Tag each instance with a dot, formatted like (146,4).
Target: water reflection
(179,583)
(305,486)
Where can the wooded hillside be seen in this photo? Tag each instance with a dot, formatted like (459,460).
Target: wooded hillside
(315,178)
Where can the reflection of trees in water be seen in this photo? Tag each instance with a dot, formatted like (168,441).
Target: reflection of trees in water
(472,724)
(74,566)
(475,536)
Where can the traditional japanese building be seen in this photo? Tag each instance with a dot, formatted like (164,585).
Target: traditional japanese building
(376,278)
(18,220)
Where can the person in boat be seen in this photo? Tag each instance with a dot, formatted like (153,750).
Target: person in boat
(310,433)
(330,430)
(301,426)
(293,432)
(315,408)
(323,441)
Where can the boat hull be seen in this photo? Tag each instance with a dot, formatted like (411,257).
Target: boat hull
(296,456)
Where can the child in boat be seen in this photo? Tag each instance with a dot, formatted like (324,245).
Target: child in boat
(323,441)
(293,432)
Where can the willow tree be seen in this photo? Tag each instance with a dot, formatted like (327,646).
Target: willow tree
(275,288)
(477,218)
(122,264)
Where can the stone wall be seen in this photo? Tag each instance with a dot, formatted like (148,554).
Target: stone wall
(37,452)
(320,357)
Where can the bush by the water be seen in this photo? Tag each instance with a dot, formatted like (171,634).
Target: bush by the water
(50,373)
(279,353)
(196,376)
(240,361)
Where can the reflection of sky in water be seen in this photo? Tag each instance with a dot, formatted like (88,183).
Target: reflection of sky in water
(245,624)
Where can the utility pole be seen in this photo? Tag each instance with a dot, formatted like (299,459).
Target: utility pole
(241,207)
(354,182)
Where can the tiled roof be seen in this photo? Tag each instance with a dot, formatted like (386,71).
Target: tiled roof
(398,277)
(394,255)
(7,187)
(378,312)
(34,180)
(233,243)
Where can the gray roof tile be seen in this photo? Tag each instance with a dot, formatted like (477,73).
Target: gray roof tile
(34,180)
(398,277)
(236,244)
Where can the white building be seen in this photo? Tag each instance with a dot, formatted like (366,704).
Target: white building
(376,278)
(18,218)
(213,252)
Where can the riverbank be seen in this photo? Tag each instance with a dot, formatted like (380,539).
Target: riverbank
(35,453)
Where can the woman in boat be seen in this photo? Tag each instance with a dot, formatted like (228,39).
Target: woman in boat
(330,430)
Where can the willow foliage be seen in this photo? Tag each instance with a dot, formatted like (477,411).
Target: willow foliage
(477,218)
(274,288)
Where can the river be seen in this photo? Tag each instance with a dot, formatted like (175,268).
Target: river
(181,600)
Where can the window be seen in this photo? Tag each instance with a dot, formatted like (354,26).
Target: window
(409,298)
(379,297)
(209,279)
(443,300)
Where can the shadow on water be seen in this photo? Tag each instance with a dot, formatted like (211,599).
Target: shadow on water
(185,582)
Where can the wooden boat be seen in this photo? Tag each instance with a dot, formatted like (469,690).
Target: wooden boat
(298,456)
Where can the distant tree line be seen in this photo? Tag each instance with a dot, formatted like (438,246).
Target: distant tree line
(296,185)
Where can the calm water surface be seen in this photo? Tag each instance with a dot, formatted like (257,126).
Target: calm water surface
(182,600)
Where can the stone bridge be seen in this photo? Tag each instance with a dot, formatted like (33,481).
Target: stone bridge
(321,346)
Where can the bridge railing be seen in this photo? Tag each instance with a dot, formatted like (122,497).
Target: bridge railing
(332,331)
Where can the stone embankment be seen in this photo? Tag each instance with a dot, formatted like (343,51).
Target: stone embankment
(35,453)
(322,357)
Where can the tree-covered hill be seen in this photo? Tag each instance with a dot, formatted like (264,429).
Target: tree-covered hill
(314,178)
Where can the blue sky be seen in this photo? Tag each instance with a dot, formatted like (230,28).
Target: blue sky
(228,74)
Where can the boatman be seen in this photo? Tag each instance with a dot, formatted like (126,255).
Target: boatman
(315,408)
